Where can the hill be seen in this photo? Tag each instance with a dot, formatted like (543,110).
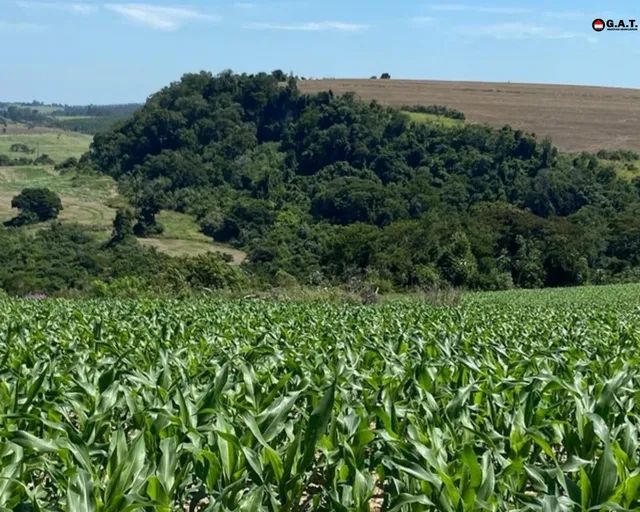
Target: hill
(328,189)
(577,118)
(325,190)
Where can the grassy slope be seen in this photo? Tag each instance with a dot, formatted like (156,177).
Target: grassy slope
(182,236)
(423,117)
(58,145)
(90,200)
(85,198)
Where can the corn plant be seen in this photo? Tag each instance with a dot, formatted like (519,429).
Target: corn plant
(201,405)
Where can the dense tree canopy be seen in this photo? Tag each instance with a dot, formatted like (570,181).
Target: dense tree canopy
(327,188)
(35,205)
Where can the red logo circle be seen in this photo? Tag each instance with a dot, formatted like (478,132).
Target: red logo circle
(598,25)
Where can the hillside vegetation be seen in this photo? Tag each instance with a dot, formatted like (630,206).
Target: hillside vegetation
(326,189)
(87,119)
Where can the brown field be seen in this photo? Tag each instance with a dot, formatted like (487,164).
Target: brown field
(577,118)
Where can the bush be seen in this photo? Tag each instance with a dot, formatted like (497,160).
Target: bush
(385,76)
(69,163)
(6,161)
(128,287)
(21,148)
(618,155)
(36,205)
(44,160)
(285,280)
(438,110)
(208,272)
(427,276)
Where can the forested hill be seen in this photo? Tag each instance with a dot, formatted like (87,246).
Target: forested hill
(327,189)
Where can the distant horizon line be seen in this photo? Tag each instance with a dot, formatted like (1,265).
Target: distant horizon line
(345,79)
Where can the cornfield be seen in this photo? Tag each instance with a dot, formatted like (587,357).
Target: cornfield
(202,405)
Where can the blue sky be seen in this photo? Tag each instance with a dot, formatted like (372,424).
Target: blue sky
(115,51)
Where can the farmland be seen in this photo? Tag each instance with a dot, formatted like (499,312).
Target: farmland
(58,144)
(514,401)
(576,118)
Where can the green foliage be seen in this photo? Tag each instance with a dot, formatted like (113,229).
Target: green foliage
(69,163)
(195,404)
(122,226)
(479,207)
(21,148)
(6,161)
(67,260)
(88,119)
(44,159)
(439,110)
(619,155)
(35,205)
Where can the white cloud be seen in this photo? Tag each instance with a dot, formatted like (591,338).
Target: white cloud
(73,7)
(159,17)
(520,30)
(484,9)
(311,26)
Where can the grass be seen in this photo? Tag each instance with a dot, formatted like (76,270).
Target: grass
(182,237)
(84,197)
(627,170)
(423,117)
(91,200)
(59,145)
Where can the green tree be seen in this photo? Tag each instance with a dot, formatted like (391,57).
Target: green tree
(35,205)
(122,226)
(527,265)
(457,263)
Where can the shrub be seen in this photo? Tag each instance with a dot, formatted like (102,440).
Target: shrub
(44,160)
(69,163)
(438,110)
(21,148)
(36,205)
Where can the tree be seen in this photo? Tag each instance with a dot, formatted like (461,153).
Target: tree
(385,76)
(122,226)
(148,206)
(279,75)
(35,205)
